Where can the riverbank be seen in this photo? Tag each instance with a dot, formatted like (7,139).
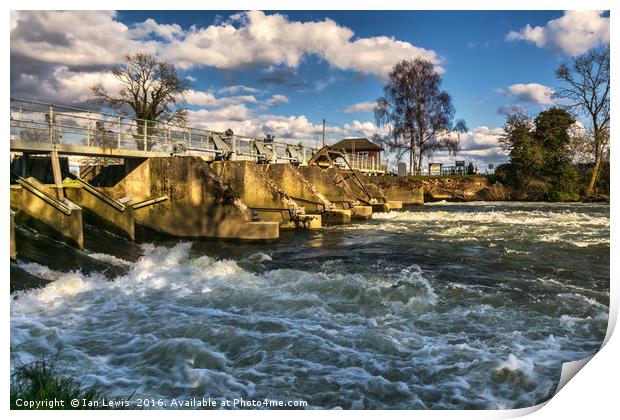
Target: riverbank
(459,188)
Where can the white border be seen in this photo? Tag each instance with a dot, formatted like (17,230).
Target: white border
(593,394)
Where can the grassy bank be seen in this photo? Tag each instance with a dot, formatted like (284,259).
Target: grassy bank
(42,381)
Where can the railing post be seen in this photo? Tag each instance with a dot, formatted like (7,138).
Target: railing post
(89,133)
(51,123)
(145,135)
(233,141)
(119,133)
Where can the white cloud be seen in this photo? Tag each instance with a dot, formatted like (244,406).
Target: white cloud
(73,38)
(360,107)
(276,100)
(66,86)
(574,33)
(149,26)
(237,89)
(479,146)
(274,40)
(530,92)
(200,98)
(297,128)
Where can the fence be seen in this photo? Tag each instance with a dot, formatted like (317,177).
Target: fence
(33,121)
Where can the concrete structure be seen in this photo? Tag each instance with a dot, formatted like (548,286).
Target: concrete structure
(398,189)
(100,212)
(198,204)
(12,249)
(35,205)
(263,195)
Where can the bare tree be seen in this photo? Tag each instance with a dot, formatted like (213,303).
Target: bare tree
(587,89)
(150,90)
(417,111)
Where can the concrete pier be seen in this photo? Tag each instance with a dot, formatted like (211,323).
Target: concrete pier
(12,249)
(251,182)
(398,189)
(199,203)
(36,206)
(101,212)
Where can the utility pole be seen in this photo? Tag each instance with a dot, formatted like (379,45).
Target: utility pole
(323,132)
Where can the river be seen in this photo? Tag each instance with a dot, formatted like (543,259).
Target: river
(469,305)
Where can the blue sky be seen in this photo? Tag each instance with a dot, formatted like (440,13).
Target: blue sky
(285,71)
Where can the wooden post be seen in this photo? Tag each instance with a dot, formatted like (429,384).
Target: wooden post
(60,193)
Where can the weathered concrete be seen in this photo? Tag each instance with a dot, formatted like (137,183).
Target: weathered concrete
(13,249)
(39,214)
(326,186)
(290,180)
(362,212)
(398,189)
(199,203)
(394,205)
(99,212)
(337,217)
(258,190)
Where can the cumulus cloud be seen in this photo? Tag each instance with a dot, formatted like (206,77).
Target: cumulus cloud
(479,146)
(360,107)
(276,100)
(200,98)
(574,33)
(534,93)
(256,38)
(150,27)
(74,38)
(298,128)
(238,89)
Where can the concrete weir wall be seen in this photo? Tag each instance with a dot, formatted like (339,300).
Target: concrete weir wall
(263,194)
(398,189)
(199,203)
(33,210)
(101,213)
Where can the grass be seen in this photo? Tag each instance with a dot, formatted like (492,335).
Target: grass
(42,380)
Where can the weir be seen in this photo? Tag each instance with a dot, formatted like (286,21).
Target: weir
(182,181)
(199,203)
(305,193)
(36,206)
(264,195)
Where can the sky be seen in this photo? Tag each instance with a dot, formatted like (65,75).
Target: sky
(283,72)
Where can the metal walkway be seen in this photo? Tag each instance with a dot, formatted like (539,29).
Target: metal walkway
(39,128)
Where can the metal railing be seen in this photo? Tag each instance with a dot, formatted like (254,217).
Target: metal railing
(34,121)
(366,163)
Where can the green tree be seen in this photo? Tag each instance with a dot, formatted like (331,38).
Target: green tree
(540,158)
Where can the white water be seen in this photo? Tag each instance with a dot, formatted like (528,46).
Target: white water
(364,330)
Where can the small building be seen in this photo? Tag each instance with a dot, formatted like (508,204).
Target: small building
(360,146)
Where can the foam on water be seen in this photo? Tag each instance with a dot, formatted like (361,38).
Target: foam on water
(375,332)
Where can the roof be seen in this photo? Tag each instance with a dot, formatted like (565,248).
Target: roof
(358,144)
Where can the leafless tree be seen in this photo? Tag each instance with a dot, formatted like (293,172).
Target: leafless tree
(587,91)
(417,112)
(151,90)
